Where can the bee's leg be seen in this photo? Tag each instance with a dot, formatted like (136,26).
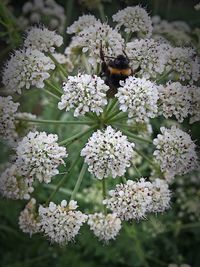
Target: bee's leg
(136,70)
(126,55)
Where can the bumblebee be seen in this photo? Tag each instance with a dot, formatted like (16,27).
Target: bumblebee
(115,70)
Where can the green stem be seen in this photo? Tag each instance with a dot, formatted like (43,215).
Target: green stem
(136,137)
(79,181)
(65,191)
(137,246)
(164,76)
(63,179)
(55,88)
(51,94)
(76,136)
(137,170)
(55,121)
(118,117)
(111,105)
(104,194)
(58,65)
(101,12)
(85,62)
(146,158)
(113,115)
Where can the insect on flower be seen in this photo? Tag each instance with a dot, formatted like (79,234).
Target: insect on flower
(115,70)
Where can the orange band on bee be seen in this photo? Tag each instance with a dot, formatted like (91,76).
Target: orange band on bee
(126,72)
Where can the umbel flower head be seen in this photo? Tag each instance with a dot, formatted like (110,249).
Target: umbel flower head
(26,68)
(90,39)
(175,99)
(82,23)
(61,223)
(105,227)
(42,39)
(139,98)
(148,54)
(108,153)
(28,219)
(85,93)
(14,184)
(134,200)
(134,20)
(48,12)
(39,155)
(184,63)
(8,109)
(175,151)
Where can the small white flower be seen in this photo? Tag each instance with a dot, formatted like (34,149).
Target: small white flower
(47,12)
(8,109)
(175,99)
(26,68)
(139,98)
(184,63)
(105,227)
(160,196)
(148,54)
(82,23)
(42,39)
(177,32)
(134,20)
(14,184)
(134,200)
(175,152)
(60,223)
(85,93)
(39,155)
(28,221)
(195,107)
(89,40)
(108,153)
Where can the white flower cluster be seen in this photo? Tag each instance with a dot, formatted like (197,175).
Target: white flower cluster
(28,221)
(148,54)
(43,11)
(175,152)
(42,39)
(85,93)
(26,68)
(139,98)
(195,107)
(134,20)
(82,23)
(108,153)
(184,63)
(8,109)
(39,155)
(175,99)
(14,185)
(134,200)
(105,227)
(177,32)
(61,223)
(90,39)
